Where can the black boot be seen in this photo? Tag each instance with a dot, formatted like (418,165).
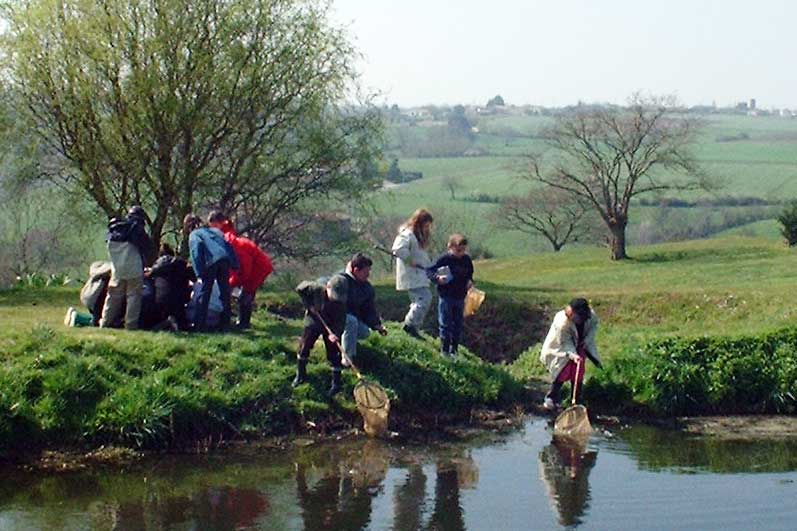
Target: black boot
(453,349)
(552,397)
(445,347)
(301,372)
(336,386)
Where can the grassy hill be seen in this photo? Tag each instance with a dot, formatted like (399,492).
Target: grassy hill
(750,156)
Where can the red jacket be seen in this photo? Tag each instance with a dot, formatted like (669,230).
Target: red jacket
(255,265)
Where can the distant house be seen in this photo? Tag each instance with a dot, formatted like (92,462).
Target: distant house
(418,114)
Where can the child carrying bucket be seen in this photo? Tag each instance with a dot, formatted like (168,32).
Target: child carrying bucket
(570,340)
(454,277)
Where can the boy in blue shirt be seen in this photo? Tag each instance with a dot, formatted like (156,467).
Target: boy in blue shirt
(454,277)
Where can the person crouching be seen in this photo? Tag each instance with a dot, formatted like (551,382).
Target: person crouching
(569,342)
(329,302)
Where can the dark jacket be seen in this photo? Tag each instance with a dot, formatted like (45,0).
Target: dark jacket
(172,275)
(462,272)
(314,296)
(131,229)
(361,302)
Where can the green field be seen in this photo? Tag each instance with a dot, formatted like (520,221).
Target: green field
(760,161)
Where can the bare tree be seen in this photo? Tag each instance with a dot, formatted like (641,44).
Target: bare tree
(557,215)
(608,156)
(451,183)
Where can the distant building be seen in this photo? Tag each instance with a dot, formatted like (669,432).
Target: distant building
(752,104)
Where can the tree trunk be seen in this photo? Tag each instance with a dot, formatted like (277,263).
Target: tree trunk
(618,241)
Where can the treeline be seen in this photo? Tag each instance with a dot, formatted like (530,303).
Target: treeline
(705,202)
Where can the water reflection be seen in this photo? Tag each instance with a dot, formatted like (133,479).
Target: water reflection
(487,483)
(336,493)
(565,465)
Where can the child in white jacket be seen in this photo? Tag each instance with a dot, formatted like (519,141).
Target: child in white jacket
(412,259)
(569,342)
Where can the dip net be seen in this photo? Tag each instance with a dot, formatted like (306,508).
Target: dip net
(573,422)
(374,406)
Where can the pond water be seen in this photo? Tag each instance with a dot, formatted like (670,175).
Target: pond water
(634,478)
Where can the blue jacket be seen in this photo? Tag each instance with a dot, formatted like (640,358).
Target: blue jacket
(207,247)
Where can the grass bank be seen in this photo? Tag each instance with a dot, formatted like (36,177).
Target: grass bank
(76,387)
(686,328)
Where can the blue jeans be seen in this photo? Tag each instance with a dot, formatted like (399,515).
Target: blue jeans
(354,330)
(450,317)
(220,273)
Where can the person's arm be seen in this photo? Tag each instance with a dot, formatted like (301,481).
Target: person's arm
(372,318)
(589,341)
(469,283)
(402,248)
(197,254)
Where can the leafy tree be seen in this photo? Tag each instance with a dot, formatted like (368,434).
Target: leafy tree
(182,106)
(788,221)
(608,156)
(556,215)
(458,123)
(496,101)
(394,172)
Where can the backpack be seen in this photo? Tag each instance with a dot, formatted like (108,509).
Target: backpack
(99,277)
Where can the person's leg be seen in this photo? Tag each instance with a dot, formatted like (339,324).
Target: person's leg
(223,278)
(113,304)
(354,330)
(201,318)
(334,359)
(444,325)
(134,288)
(308,339)
(578,375)
(457,323)
(245,305)
(564,375)
(420,300)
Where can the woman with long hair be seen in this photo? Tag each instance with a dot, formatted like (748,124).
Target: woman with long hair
(412,259)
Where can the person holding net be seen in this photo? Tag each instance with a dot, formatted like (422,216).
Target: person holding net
(325,317)
(570,340)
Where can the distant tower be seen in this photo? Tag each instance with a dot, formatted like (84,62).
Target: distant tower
(752,104)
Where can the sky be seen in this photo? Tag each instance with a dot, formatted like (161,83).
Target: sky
(557,52)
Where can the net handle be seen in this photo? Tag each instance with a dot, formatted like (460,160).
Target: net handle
(575,383)
(340,347)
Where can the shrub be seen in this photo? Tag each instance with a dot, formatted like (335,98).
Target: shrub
(689,376)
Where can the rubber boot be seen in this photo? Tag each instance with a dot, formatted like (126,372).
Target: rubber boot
(301,372)
(445,347)
(336,386)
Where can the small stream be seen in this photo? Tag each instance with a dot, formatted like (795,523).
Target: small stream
(632,478)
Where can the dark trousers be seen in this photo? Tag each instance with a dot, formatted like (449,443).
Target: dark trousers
(450,317)
(220,273)
(246,302)
(309,337)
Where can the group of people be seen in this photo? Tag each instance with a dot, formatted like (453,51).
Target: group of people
(133,291)
(171,293)
(342,309)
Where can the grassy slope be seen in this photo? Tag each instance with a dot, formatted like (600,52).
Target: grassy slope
(727,286)
(139,388)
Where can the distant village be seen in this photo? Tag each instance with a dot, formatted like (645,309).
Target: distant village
(431,114)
